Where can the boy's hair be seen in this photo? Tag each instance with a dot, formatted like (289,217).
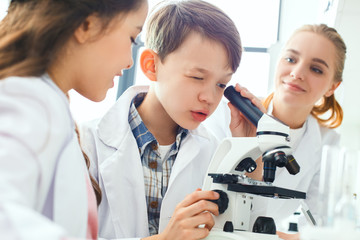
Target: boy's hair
(172,21)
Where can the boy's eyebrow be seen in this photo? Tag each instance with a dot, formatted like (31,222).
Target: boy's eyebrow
(318,60)
(202,70)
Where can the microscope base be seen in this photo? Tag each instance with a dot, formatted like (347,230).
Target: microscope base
(329,233)
(239,235)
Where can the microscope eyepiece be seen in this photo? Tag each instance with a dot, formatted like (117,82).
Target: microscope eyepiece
(250,111)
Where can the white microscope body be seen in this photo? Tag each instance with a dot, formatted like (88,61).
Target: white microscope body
(234,157)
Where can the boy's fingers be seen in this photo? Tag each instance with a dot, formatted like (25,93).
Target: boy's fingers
(257,102)
(197,196)
(199,233)
(233,110)
(202,219)
(238,87)
(201,206)
(246,93)
(205,219)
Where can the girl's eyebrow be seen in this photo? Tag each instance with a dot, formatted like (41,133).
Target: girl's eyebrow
(318,60)
(293,51)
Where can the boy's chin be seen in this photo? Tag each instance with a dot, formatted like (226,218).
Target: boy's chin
(191,126)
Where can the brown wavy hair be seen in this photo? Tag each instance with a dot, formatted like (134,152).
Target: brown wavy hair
(327,104)
(34,32)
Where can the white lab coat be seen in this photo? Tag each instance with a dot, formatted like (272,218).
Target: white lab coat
(116,164)
(308,156)
(37,139)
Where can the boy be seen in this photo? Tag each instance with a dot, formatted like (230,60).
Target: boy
(150,151)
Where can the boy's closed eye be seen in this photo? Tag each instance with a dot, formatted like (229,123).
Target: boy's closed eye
(221,85)
(196,77)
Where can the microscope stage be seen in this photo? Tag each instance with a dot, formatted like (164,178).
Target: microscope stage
(266,191)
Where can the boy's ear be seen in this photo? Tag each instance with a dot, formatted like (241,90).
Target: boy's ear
(88,29)
(147,63)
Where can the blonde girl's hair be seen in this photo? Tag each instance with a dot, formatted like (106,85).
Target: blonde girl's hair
(327,104)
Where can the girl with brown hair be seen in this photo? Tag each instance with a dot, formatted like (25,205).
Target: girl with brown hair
(48,47)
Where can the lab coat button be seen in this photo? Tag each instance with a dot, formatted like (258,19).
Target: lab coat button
(154,146)
(154,204)
(153,164)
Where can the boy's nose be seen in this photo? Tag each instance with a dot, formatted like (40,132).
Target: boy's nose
(207,95)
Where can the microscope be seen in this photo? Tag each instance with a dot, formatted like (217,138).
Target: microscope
(236,156)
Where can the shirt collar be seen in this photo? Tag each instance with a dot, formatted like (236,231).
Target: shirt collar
(141,133)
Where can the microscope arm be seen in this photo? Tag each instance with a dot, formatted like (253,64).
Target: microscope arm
(229,154)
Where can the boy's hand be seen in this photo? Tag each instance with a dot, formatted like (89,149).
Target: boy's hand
(287,236)
(193,211)
(240,126)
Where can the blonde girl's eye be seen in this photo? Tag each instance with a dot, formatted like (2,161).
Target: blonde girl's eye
(290,60)
(317,70)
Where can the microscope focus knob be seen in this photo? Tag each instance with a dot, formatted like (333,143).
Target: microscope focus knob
(222,201)
(247,164)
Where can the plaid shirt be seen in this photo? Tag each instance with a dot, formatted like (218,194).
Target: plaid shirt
(156,172)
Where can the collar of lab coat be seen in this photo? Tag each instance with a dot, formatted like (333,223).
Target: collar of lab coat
(312,129)
(65,100)
(115,122)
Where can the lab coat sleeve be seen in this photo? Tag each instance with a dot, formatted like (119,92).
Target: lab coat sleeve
(23,134)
